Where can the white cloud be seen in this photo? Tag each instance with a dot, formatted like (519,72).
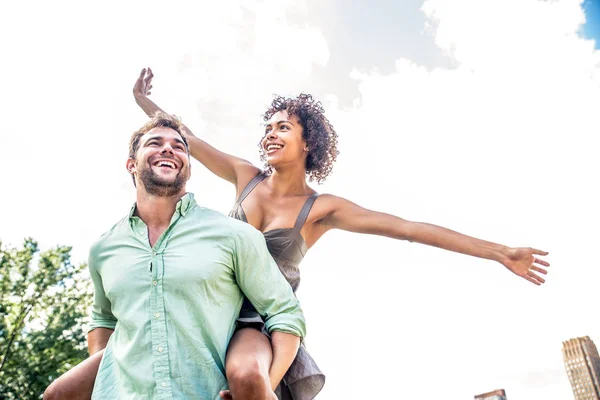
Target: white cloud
(68,94)
(500,147)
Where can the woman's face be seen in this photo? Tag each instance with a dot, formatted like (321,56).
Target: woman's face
(283,143)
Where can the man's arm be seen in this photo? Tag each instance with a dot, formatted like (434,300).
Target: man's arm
(98,339)
(285,348)
(103,321)
(263,284)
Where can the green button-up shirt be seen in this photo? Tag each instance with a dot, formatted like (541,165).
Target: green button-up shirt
(173,307)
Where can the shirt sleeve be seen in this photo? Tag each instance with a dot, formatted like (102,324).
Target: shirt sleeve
(101,314)
(264,285)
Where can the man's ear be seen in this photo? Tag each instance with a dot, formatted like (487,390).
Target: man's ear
(130,165)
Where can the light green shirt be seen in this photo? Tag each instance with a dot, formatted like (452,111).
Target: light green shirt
(173,307)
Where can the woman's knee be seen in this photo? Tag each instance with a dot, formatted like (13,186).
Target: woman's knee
(54,391)
(247,370)
(248,362)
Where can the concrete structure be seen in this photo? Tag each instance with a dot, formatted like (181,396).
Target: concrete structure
(498,394)
(583,368)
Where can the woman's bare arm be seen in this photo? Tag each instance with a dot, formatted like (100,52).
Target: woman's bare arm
(345,215)
(226,166)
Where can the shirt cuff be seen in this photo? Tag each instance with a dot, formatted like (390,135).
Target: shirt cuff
(102,323)
(291,324)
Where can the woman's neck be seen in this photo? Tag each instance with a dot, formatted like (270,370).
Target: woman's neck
(288,182)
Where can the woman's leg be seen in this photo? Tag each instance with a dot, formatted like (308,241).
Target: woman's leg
(247,366)
(78,382)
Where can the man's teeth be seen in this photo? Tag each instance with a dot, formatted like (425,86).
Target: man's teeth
(274,147)
(166,164)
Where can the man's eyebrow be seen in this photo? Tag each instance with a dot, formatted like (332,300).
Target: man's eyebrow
(160,139)
(180,141)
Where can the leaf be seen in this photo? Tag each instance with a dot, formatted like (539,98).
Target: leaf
(43,307)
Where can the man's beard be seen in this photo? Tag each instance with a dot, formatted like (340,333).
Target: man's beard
(156,186)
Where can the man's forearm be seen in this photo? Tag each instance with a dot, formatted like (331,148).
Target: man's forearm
(98,339)
(285,348)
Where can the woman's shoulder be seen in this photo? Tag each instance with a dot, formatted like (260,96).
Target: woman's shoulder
(245,174)
(326,200)
(323,205)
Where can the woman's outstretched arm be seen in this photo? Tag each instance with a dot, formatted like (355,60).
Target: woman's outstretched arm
(233,169)
(343,214)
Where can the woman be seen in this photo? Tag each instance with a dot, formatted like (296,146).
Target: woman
(298,142)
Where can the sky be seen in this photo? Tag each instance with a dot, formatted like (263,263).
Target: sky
(591,29)
(476,115)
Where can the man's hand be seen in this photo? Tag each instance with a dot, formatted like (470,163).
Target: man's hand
(522,261)
(143,84)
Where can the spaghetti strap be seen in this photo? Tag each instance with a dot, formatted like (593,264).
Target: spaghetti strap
(305,211)
(250,186)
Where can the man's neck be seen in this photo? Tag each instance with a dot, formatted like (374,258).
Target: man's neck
(155,211)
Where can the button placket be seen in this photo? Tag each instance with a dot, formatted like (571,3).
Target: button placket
(158,325)
(159,329)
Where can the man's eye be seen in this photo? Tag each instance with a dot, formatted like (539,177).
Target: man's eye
(153,143)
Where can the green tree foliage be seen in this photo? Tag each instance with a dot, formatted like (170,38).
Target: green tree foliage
(44,301)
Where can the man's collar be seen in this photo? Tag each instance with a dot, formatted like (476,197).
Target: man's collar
(184,204)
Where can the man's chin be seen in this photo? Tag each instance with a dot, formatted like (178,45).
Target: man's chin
(163,186)
(165,181)
(164,190)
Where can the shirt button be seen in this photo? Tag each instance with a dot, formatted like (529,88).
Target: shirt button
(163,384)
(160,349)
(157,315)
(154,283)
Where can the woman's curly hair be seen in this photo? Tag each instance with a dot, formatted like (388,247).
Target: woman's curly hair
(318,133)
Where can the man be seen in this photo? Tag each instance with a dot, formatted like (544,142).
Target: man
(169,282)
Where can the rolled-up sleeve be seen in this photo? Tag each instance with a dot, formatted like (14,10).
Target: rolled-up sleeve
(101,313)
(264,285)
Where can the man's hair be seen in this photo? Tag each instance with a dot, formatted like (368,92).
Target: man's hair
(160,119)
(318,133)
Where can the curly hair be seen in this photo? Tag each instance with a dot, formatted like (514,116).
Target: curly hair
(318,133)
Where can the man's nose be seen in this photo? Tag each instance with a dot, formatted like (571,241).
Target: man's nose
(167,148)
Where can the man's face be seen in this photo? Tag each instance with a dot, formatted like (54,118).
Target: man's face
(162,163)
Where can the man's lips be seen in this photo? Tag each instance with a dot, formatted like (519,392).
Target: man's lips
(165,163)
